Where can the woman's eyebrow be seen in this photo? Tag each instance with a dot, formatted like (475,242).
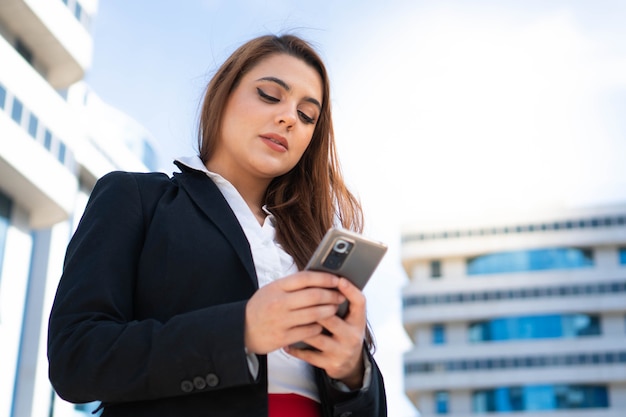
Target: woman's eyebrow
(288,88)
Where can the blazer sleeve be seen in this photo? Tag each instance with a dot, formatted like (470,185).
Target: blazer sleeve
(367,402)
(97,350)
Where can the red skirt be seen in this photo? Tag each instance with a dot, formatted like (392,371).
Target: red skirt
(290,405)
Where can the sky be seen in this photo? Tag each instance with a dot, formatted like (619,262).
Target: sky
(443,109)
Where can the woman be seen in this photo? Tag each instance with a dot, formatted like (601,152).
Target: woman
(181,296)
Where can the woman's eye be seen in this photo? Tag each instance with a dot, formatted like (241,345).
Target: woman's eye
(266,96)
(271,99)
(305,118)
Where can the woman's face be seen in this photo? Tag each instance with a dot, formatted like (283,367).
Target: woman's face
(268,120)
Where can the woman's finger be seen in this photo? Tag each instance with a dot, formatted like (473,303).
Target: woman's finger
(357,309)
(308,279)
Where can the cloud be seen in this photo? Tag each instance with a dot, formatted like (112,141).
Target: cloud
(462,112)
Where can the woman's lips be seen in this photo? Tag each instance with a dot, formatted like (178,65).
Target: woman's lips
(275,141)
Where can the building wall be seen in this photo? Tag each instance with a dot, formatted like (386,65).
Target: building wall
(13,289)
(51,154)
(456,298)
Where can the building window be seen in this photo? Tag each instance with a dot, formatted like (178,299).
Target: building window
(441,402)
(3,96)
(622,256)
(438,334)
(572,359)
(16,112)
(535,327)
(435,269)
(546,292)
(563,225)
(24,50)
(530,260)
(33,124)
(539,397)
(5,213)
(62,152)
(78,11)
(47,140)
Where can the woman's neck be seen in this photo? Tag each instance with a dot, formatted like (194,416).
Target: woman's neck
(253,198)
(252,190)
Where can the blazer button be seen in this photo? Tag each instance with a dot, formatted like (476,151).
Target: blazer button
(199,382)
(212,380)
(186,386)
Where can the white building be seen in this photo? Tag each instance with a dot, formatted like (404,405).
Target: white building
(524,316)
(52,150)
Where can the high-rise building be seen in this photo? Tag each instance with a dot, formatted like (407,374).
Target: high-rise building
(53,147)
(523,315)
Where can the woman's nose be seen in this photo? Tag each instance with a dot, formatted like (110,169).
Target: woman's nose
(287,116)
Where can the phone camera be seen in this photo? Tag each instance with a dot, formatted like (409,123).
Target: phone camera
(341,246)
(336,257)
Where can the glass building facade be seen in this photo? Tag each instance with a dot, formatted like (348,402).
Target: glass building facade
(539,398)
(524,316)
(26,119)
(535,327)
(530,260)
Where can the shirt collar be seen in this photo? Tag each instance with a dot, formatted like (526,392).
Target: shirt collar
(194,162)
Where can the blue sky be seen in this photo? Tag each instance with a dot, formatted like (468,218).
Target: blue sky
(443,109)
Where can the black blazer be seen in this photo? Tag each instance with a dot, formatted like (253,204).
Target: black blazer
(149,313)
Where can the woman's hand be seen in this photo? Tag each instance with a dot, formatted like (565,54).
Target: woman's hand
(290,309)
(341,353)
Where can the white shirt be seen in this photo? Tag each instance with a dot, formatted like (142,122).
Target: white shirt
(285,372)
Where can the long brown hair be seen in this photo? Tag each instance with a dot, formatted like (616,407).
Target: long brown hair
(310,198)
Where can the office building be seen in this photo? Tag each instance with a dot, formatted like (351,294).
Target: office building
(522,315)
(52,150)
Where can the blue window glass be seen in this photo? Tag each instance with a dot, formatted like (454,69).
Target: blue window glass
(539,397)
(62,152)
(3,96)
(535,327)
(33,124)
(16,112)
(441,402)
(622,256)
(5,212)
(78,11)
(531,260)
(438,334)
(47,139)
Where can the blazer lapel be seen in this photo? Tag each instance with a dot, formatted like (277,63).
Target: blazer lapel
(210,200)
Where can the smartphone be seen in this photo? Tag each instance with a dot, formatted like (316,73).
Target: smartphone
(349,255)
